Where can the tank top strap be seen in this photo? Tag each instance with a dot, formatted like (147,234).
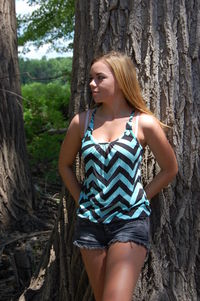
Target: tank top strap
(129,123)
(91,123)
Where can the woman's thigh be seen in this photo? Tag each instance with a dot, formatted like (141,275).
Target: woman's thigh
(95,263)
(123,265)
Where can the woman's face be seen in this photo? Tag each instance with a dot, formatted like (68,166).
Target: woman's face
(103,84)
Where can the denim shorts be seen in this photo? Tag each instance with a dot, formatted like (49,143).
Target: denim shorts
(92,235)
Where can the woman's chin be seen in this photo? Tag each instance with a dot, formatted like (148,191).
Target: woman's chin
(97,100)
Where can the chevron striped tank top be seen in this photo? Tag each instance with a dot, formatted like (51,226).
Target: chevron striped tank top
(112,188)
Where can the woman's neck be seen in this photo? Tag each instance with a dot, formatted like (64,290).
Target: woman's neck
(115,110)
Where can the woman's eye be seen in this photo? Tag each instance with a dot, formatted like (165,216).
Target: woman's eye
(97,78)
(100,77)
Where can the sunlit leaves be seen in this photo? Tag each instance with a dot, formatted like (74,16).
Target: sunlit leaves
(51,22)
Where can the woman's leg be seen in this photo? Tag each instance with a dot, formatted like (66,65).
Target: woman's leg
(123,265)
(95,263)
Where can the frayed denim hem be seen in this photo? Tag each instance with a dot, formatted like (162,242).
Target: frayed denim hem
(83,246)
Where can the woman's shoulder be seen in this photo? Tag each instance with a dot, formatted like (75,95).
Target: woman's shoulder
(150,128)
(80,117)
(148,121)
(83,119)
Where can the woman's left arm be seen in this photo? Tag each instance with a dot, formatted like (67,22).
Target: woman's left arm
(155,138)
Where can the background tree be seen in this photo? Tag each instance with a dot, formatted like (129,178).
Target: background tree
(16,194)
(18,217)
(162,38)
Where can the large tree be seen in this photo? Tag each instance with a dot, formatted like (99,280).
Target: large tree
(16,193)
(162,38)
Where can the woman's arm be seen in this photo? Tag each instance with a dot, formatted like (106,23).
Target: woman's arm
(69,149)
(155,138)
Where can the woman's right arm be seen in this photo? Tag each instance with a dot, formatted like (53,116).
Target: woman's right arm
(69,149)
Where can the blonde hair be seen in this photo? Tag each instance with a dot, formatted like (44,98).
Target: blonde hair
(125,74)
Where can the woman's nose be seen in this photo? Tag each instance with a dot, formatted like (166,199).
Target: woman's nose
(93,83)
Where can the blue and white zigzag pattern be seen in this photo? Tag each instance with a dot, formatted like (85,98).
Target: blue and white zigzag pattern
(112,189)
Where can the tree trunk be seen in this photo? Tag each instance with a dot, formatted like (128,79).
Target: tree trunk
(162,37)
(16,195)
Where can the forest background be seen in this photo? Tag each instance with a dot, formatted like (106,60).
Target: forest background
(45,86)
(45,94)
(45,82)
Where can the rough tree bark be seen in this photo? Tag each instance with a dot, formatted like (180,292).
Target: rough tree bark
(162,37)
(16,195)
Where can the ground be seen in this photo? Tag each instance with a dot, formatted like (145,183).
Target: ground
(20,251)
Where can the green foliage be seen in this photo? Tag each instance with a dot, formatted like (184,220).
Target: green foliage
(45,108)
(51,22)
(45,70)
(44,150)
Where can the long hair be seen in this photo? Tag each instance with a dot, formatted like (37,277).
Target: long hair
(124,71)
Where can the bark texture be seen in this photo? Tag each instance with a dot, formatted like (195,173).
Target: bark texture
(162,38)
(16,197)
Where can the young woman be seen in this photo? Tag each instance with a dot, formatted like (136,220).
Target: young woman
(112,229)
